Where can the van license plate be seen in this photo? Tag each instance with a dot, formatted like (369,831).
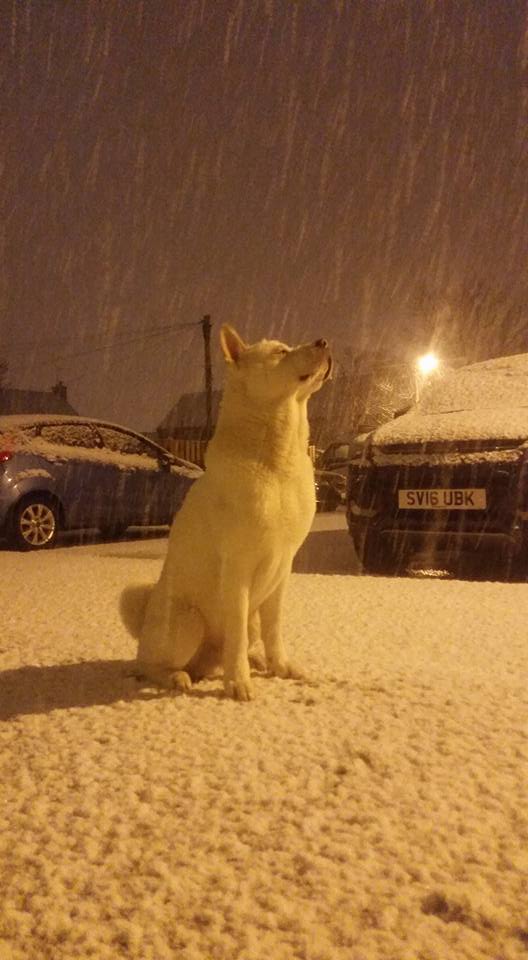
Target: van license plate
(443,499)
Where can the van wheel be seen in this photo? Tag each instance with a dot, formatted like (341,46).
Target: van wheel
(35,523)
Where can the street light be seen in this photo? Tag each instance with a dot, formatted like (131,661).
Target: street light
(425,366)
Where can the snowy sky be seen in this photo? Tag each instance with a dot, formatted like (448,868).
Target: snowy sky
(297,168)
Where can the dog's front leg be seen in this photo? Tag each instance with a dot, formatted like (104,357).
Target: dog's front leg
(271,624)
(235,602)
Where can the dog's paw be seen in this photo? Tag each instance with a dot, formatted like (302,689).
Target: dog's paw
(239,689)
(179,680)
(163,677)
(257,662)
(285,670)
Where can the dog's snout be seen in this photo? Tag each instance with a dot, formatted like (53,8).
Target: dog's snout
(321,343)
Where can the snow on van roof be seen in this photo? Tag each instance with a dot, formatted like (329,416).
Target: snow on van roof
(486,400)
(502,382)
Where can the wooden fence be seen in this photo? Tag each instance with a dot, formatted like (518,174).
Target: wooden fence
(192,450)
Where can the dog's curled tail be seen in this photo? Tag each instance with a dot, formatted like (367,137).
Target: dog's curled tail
(132,605)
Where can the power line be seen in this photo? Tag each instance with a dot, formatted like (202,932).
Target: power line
(24,344)
(165,331)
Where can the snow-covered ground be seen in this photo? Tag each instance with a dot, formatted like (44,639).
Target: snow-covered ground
(379,812)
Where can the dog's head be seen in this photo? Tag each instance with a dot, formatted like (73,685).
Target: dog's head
(273,370)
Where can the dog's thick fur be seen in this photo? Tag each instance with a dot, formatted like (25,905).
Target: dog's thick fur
(232,543)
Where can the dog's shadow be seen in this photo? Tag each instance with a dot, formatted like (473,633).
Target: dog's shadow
(34,690)
(29,690)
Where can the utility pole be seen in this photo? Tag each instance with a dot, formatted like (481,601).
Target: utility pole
(206,330)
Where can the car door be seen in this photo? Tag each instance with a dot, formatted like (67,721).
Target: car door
(144,480)
(78,472)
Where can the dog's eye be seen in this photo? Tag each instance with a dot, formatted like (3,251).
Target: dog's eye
(282,352)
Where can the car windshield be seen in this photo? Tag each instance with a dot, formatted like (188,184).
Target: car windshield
(487,386)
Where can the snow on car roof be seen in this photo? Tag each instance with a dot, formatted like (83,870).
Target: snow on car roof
(13,424)
(18,421)
(8,421)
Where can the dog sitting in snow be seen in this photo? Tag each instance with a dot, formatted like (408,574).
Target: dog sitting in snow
(232,543)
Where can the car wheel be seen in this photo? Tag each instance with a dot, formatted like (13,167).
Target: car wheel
(35,523)
(113,531)
(377,556)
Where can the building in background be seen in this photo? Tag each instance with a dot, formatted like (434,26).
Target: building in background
(36,401)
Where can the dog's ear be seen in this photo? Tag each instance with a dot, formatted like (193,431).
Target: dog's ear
(232,345)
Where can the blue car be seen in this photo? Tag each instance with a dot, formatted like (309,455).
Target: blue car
(66,473)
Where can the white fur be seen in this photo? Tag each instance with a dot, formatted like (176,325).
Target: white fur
(232,543)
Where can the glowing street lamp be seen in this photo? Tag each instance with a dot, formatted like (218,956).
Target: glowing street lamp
(425,366)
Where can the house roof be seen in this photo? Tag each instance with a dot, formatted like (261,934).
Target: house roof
(33,401)
(189,412)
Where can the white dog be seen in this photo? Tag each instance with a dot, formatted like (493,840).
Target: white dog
(233,541)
